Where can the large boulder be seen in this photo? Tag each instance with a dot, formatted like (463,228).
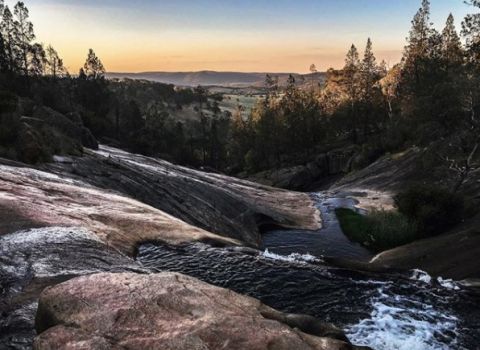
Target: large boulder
(70,126)
(31,147)
(168,311)
(59,121)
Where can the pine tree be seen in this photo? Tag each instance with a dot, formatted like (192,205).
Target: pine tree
(37,59)
(24,35)
(351,73)
(418,41)
(291,87)
(369,72)
(3,56)
(7,28)
(369,76)
(93,67)
(419,49)
(351,84)
(451,50)
(471,31)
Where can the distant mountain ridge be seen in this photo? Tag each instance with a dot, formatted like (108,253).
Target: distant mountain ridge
(214,78)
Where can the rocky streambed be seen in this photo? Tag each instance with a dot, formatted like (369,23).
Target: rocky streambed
(102,246)
(81,217)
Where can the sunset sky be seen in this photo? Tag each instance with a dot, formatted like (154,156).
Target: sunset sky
(227,35)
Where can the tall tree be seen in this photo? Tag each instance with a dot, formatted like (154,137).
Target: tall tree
(369,72)
(420,33)
(24,35)
(369,76)
(471,31)
(271,85)
(423,74)
(417,50)
(351,84)
(37,59)
(3,55)
(451,50)
(8,29)
(54,62)
(93,67)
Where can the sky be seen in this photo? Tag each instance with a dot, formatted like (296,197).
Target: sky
(227,35)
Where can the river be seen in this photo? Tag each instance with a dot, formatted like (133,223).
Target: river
(401,311)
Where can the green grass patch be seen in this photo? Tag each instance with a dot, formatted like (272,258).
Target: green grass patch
(379,230)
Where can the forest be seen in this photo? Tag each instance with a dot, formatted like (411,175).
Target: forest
(430,99)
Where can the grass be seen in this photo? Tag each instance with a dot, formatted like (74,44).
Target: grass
(231,101)
(379,230)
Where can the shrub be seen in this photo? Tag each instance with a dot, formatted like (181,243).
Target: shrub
(8,102)
(434,209)
(379,230)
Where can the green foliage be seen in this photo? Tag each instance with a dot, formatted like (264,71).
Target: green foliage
(379,230)
(434,209)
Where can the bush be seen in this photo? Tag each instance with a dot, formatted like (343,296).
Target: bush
(434,209)
(379,230)
(8,102)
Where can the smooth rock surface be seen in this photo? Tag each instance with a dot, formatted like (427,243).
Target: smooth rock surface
(450,255)
(167,311)
(33,259)
(30,199)
(223,205)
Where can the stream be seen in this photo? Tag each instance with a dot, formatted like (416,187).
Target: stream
(409,311)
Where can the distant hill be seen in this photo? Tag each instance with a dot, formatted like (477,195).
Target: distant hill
(212,78)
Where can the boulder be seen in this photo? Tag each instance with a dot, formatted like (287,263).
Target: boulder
(59,121)
(31,147)
(167,311)
(71,126)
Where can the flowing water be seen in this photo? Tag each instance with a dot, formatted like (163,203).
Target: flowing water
(329,241)
(408,311)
